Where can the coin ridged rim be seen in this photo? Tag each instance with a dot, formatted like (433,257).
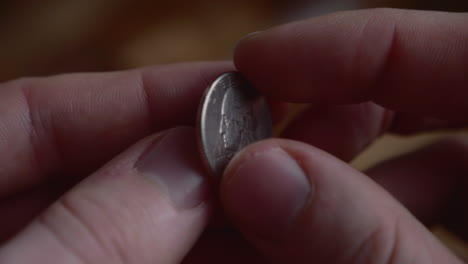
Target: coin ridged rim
(201,121)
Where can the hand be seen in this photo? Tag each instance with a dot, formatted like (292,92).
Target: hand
(395,70)
(146,204)
(132,211)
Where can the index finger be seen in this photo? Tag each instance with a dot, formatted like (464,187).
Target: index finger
(71,124)
(409,61)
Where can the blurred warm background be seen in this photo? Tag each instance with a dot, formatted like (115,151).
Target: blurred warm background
(55,36)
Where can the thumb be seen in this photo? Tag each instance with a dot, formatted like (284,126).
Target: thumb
(297,204)
(149,205)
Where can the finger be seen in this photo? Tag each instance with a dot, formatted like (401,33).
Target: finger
(410,61)
(346,130)
(72,124)
(343,131)
(297,204)
(431,182)
(149,205)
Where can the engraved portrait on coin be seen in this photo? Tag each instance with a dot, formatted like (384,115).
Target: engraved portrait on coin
(237,122)
(232,115)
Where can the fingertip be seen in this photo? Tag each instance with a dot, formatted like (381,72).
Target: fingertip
(243,40)
(173,162)
(317,59)
(149,204)
(294,202)
(364,55)
(245,153)
(251,58)
(264,190)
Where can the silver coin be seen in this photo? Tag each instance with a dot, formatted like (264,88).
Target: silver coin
(232,115)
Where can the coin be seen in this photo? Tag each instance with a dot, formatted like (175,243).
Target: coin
(232,115)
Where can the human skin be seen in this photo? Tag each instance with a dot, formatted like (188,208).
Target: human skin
(143,197)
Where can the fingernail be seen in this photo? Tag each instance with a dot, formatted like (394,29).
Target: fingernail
(172,162)
(265,191)
(244,38)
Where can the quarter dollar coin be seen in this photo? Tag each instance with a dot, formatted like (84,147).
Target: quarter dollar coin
(232,115)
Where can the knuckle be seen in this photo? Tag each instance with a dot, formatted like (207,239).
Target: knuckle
(381,244)
(87,223)
(51,224)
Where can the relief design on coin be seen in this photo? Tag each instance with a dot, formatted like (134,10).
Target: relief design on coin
(232,115)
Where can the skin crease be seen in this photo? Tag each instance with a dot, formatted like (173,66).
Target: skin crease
(74,189)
